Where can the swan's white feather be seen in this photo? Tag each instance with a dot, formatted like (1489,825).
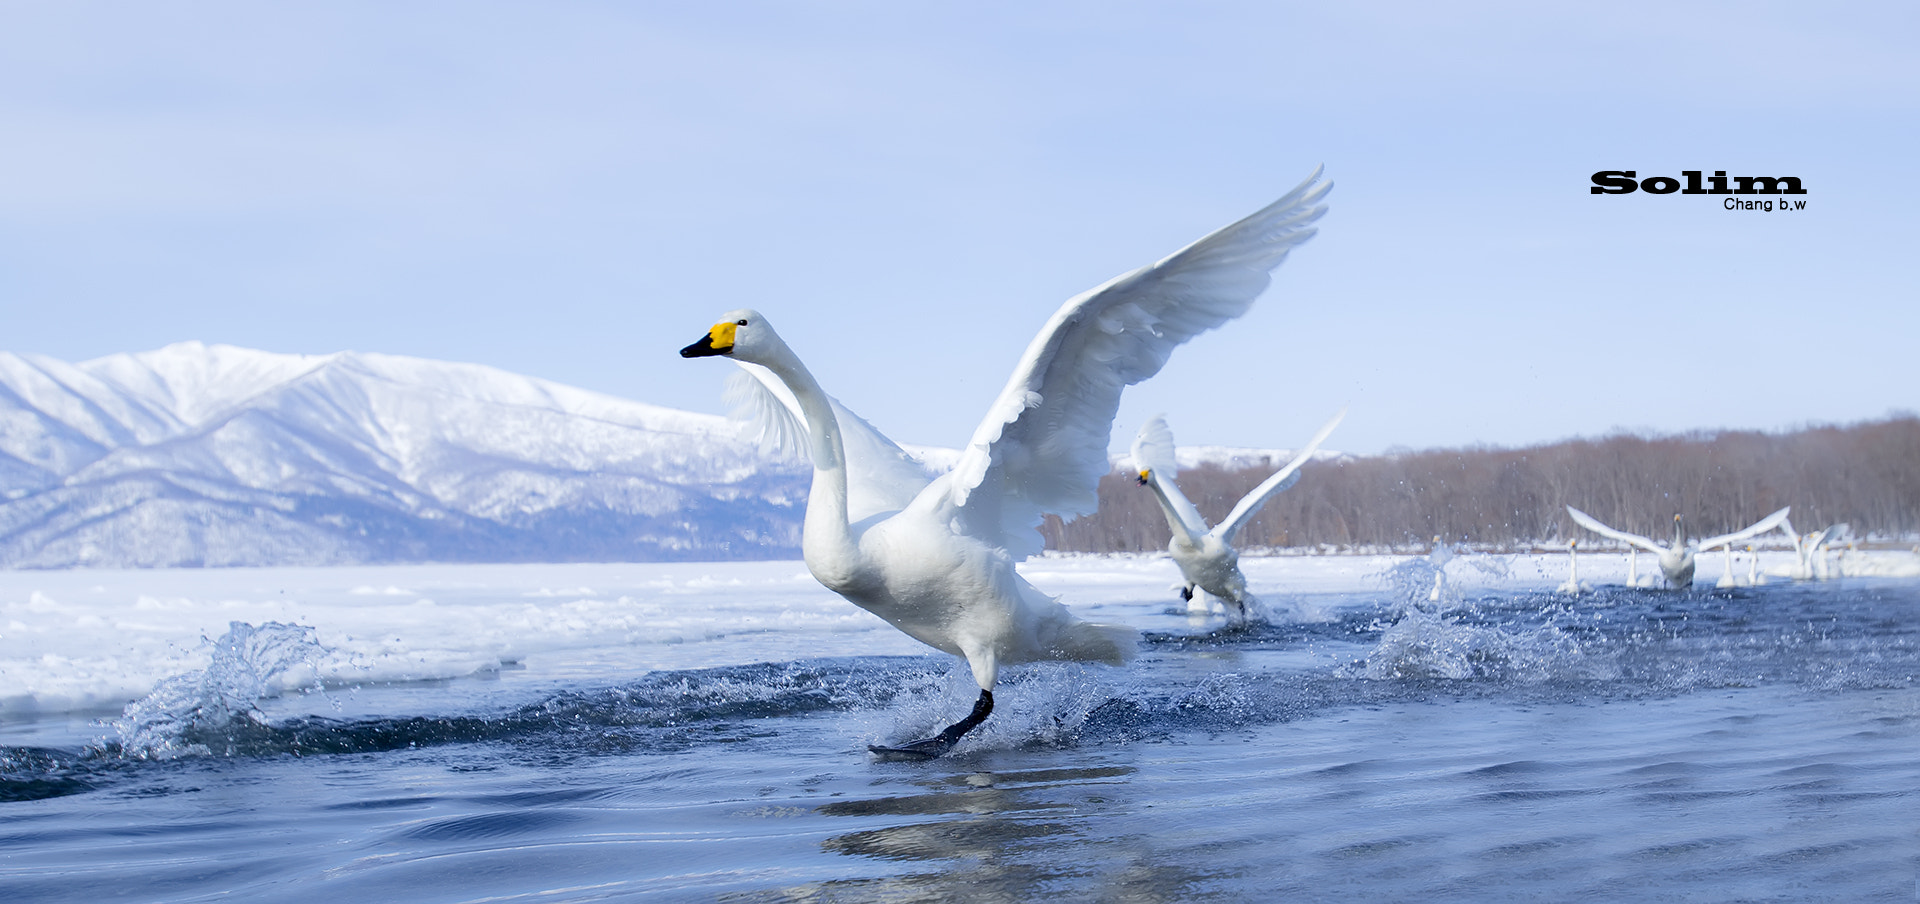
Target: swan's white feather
(1752,530)
(754,395)
(1042,446)
(1153,448)
(1587,521)
(1153,454)
(882,477)
(1244,510)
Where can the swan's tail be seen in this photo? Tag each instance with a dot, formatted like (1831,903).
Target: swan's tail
(1088,642)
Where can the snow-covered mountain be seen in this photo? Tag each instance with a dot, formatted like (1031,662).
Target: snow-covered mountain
(215,455)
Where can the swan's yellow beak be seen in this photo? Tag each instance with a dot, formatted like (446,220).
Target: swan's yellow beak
(1142,479)
(717,341)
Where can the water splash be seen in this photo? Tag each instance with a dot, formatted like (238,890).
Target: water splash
(187,711)
(1428,643)
(1411,581)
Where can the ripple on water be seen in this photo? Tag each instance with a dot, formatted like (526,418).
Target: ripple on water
(488,826)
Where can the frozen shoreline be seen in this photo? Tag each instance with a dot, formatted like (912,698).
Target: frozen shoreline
(89,641)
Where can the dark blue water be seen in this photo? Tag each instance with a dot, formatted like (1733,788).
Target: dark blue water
(1760,744)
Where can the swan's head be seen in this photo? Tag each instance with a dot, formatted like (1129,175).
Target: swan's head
(1144,476)
(741,335)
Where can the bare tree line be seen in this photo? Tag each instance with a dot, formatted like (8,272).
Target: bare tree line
(1867,475)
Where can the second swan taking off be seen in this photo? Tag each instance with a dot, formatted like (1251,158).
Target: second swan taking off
(935,556)
(1206,556)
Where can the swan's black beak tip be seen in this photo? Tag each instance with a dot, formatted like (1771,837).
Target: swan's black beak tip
(703,349)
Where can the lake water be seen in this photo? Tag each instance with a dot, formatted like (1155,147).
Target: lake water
(696,732)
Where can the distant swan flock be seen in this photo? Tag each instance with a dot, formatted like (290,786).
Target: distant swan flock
(935,556)
(1677,558)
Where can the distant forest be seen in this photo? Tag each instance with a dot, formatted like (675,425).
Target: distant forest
(1866,475)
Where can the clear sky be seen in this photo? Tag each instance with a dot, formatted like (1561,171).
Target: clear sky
(574,190)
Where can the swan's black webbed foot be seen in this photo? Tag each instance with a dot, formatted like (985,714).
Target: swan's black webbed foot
(929,748)
(916,752)
(1186,593)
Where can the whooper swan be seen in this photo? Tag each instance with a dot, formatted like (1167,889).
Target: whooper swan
(937,560)
(1727,577)
(1573,586)
(1206,556)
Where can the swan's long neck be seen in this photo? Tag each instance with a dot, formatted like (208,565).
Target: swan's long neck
(1168,509)
(1679,534)
(826,539)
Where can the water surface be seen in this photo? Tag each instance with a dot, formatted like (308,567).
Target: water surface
(1507,743)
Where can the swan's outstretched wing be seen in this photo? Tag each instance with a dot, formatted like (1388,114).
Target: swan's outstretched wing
(1585,520)
(1153,447)
(1153,455)
(1043,445)
(881,477)
(1752,530)
(1244,510)
(758,398)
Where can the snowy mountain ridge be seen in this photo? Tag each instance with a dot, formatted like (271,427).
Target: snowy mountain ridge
(215,455)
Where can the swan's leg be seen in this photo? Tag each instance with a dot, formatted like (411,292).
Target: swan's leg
(986,672)
(928,748)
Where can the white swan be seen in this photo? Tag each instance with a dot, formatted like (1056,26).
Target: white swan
(1206,557)
(1573,584)
(937,560)
(1676,559)
(1727,577)
(1438,557)
(1753,568)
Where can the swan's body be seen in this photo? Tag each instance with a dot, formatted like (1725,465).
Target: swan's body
(1677,558)
(1727,577)
(1573,584)
(934,556)
(1206,555)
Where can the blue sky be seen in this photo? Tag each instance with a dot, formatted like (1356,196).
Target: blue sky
(574,190)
